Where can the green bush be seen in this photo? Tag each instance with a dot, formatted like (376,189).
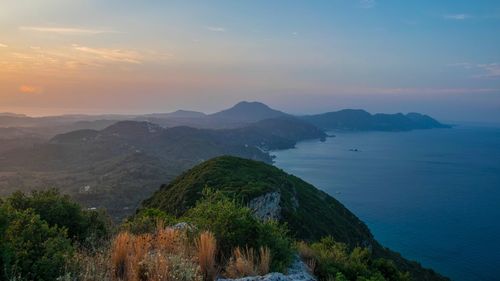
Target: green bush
(83,226)
(30,249)
(335,260)
(234,226)
(146,220)
(275,236)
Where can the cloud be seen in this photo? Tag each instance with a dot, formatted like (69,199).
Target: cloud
(434,90)
(65,30)
(491,70)
(28,89)
(487,70)
(215,28)
(457,17)
(116,55)
(367,4)
(3,45)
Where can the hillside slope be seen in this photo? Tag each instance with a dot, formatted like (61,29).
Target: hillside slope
(360,120)
(309,212)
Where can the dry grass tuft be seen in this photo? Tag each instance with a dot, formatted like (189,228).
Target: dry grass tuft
(159,257)
(120,255)
(247,263)
(307,254)
(206,246)
(168,240)
(264,260)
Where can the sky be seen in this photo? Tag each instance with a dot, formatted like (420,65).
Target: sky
(122,56)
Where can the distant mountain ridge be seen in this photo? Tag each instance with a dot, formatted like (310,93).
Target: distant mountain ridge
(361,120)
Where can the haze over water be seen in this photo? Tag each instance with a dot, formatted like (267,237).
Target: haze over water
(432,195)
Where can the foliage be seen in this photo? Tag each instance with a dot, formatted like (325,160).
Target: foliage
(234,226)
(146,221)
(30,249)
(83,226)
(336,261)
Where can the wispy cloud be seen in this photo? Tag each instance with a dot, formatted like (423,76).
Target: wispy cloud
(215,28)
(3,45)
(367,4)
(457,16)
(117,55)
(28,89)
(485,70)
(434,90)
(492,70)
(66,30)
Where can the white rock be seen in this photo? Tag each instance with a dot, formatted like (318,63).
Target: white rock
(267,206)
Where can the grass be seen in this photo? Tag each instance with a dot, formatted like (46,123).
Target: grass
(163,255)
(245,262)
(206,246)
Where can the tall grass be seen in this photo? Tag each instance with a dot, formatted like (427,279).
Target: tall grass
(120,256)
(206,246)
(307,254)
(162,256)
(264,260)
(169,255)
(245,262)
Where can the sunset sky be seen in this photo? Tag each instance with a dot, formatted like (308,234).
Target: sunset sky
(124,56)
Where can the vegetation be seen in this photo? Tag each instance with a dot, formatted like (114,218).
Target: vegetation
(309,213)
(329,260)
(47,236)
(360,120)
(39,235)
(235,227)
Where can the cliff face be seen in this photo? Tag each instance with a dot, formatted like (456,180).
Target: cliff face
(271,193)
(267,206)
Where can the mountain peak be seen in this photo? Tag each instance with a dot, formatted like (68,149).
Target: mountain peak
(248,112)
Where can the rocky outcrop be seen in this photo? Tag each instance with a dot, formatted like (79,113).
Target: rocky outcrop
(267,206)
(298,271)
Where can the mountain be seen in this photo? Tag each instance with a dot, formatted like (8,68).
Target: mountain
(271,193)
(360,120)
(247,112)
(120,165)
(178,114)
(9,114)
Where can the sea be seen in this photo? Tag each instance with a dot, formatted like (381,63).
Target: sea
(431,195)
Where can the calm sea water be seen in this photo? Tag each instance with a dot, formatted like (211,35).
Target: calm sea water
(432,195)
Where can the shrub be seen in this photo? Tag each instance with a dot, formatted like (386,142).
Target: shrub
(336,261)
(275,236)
(30,249)
(231,224)
(146,221)
(235,226)
(83,226)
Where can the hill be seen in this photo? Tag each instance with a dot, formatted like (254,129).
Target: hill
(360,120)
(124,163)
(248,112)
(310,213)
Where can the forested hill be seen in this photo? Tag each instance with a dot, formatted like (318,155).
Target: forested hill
(309,213)
(360,120)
